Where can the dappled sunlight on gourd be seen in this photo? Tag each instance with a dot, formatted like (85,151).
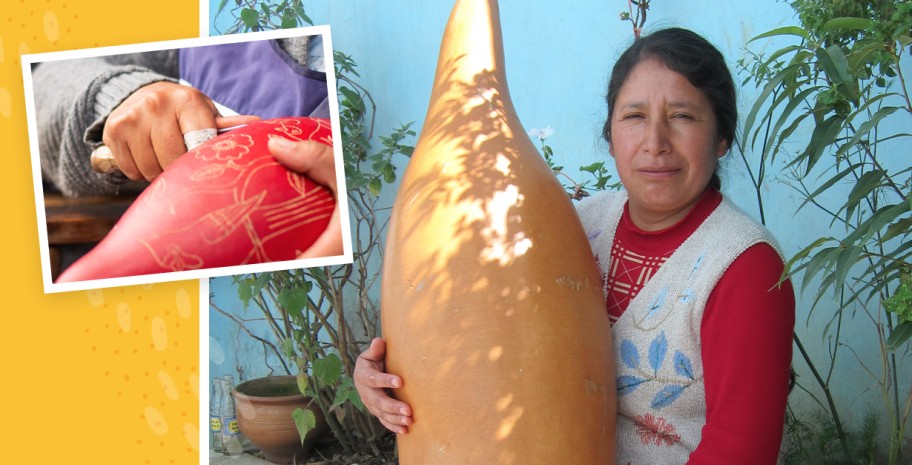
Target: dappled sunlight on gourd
(492,343)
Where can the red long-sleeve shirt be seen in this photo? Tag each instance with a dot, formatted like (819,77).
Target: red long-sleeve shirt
(746,336)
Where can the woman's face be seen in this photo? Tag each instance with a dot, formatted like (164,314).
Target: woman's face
(664,143)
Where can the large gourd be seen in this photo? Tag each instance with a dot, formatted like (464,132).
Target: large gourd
(492,305)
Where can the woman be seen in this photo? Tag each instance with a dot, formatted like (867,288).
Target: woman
(701,328)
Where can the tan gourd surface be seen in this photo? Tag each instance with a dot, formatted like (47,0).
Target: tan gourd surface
(492,305)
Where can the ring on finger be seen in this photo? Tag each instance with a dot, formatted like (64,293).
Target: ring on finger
(193,139)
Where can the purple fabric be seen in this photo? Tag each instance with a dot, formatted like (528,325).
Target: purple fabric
(255,78)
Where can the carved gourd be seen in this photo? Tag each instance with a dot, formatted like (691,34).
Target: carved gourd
(492,305)
(226,202)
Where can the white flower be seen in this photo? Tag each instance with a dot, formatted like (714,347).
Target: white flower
(542,134)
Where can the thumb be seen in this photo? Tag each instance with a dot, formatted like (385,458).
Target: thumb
(311,158)
(376,352)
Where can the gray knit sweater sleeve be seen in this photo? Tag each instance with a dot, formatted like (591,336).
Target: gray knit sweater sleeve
(72,100)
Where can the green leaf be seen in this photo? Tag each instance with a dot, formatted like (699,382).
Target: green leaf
(389,173)
(375,186)
(221,6)
(876,222)
(862,52)
(904,41)
(900,303)
(305,420)
(863,187)
(769,89)
(299,10)
(288,348)
(303,381)
(783,31)
(847,23)
(293,300)
(352,99)
(355,399)
(343,392)
(250,17)
(289,22)
(899,335)
(777,136)
(862,131)
(261,281)
(328,369)
(829,183)
(836,65)
(903,226)
(793,265)
(245,291)
(823,136)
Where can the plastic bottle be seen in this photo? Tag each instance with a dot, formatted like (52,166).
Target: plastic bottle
(230,430)
(215,421)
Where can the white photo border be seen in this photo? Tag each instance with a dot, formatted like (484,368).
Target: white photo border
(342,204)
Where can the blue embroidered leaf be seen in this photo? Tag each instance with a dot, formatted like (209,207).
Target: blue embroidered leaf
(667,395)
(686,295)
(629,354)
(657,303)
(657,349)
(682,364)
(627,384)
(698,263)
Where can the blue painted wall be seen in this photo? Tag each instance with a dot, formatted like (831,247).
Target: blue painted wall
(557,63)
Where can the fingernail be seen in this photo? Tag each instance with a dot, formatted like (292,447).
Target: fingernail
(404,412)
(395,383)
(281,142)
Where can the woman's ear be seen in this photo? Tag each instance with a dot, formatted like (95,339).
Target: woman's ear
(722,148)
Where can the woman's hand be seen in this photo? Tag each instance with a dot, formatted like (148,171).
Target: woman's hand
(314,159)
(145,133)
(372,383)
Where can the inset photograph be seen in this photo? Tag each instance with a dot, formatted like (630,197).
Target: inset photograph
(186,159)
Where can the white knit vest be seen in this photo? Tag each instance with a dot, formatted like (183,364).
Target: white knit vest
(661,395)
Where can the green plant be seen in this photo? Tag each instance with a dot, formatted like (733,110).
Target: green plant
(816,440)
(841,77)
(601,178)
(636,15)
(263,15)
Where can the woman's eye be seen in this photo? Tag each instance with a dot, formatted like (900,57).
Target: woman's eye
(632,116)
(682,116)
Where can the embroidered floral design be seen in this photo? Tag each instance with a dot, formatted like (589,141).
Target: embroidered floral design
(656,356)
(697,264)
(657,303)
(686,295)
(658,431)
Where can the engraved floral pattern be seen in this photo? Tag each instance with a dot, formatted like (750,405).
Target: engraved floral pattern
(228,147)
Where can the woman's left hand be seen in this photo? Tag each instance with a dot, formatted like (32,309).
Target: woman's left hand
(315,160)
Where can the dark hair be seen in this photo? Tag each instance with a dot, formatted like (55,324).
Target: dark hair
(690,55)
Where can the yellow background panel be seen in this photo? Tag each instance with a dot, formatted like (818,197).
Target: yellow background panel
(109,376)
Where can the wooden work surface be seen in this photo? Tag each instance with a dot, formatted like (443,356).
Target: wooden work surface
(82,220)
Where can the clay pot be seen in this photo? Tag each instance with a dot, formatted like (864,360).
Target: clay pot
(227,202)
(264,407)
(492,303)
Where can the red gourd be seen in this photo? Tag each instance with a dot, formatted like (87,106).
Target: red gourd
(492,305)
(226,202)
